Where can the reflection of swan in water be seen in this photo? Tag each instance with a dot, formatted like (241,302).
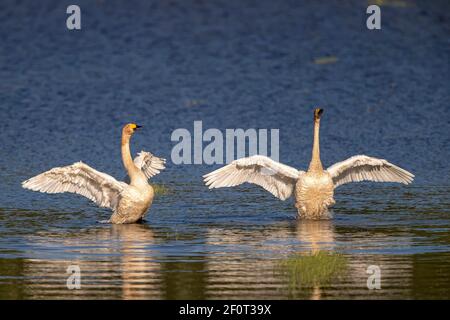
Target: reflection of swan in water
(129,202)
(313,189)
(319,236)
(115,262)
(140,275)
(252,267)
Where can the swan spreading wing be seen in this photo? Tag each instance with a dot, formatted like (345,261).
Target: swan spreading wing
(277,178)
(79,178)
(149,164)
(364,168)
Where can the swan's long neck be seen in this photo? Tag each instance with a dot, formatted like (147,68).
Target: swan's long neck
(316,164)
(128,163)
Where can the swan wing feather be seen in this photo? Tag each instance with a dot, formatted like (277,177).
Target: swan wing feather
(149,164)
(81,179)
(277,178)
(365,168)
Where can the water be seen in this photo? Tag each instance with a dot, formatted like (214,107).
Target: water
(254,64)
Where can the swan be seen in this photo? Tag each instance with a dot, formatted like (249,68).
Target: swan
(313,189)
(129,202)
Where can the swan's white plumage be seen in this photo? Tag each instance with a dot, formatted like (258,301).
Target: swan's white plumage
(314,189)
(81,179)
(277,178)
(364,168)
(149,164)
(128,201)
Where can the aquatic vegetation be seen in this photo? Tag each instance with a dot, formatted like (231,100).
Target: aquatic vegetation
(314,269)
(326,60)
(160,189)
(392,3)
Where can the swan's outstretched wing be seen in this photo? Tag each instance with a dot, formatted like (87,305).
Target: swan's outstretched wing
(149,164)
(79,178)
(277,178)
(364,168)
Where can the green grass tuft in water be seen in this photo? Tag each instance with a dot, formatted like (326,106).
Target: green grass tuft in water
(315,269)
(160,189)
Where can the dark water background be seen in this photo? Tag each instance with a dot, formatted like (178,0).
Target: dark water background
(64,96)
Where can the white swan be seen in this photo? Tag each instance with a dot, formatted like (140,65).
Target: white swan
(314,189)
(129,202)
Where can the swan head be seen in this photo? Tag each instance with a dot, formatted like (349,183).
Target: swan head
(130,128)
(317,114)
